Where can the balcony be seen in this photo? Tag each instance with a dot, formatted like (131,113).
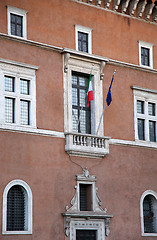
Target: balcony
(86,145)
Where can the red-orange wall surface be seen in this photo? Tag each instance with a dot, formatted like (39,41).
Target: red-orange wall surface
(41,161)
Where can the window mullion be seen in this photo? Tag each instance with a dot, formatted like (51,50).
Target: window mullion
(146,122)
(17,101)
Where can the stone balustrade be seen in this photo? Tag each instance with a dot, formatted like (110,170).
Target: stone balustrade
(86,145)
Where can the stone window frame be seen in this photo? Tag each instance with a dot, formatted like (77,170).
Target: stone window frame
(29,205)
(145,95)
(86,30)
(18,71)
(154,194)
(81,64)
(19,12)
(150,47)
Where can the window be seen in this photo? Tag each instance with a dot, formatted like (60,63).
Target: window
(75,107)
(86,234)
(81,114)
(16,22)
(146,54)
(17,95)
(86,219)
(17,208)
(83,38)
(145,102)
(149,213)
(85,197)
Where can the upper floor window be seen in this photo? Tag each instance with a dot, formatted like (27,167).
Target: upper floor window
(17,208)
(149,213)
(145,54)
(83,39)
(18,95)
(80,112)
(16,22)
(145,115)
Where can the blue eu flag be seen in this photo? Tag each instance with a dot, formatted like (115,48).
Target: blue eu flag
(109,96)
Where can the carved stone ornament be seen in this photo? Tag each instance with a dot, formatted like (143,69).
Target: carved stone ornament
(66,58)
(74,216)
(102,65)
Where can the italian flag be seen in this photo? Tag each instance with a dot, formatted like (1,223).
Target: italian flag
(89,90)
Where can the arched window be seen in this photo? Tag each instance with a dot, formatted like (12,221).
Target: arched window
(149,213)
(17,208)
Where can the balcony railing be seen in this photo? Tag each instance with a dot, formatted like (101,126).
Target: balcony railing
(86,145)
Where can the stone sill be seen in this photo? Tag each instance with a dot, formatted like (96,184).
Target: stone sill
(86,145)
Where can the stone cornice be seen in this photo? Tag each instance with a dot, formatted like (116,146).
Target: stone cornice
(144,89)
(31,43)
(107,4)
(85,55)
(132,66)
(2,60)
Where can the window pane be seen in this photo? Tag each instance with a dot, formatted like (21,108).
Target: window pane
(9,110)
(24,112)
(16,209)
(19,30)
(152,132)
(140,107)
(24,86)
(145,56)
(13,29)
(82,41)
(148,214)
(141,134)
(85,197)
(9,84)
(16,25)
(151,109)
(83,98)
(86,234)
(75,120)
(74,96)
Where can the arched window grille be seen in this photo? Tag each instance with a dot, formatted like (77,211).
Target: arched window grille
(16,209)
(148,214)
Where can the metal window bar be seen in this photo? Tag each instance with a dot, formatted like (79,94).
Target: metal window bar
(148,213)
(16,209)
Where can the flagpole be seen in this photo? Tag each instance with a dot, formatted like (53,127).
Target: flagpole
(103,111)
(101,119)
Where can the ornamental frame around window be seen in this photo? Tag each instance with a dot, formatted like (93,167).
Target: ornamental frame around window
(20,12)
(147,96)
(84,67)
(86,30)
(29,206)
(150,47)
(154,194)
(26,72)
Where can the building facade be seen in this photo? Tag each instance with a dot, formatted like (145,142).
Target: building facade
(64,173)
